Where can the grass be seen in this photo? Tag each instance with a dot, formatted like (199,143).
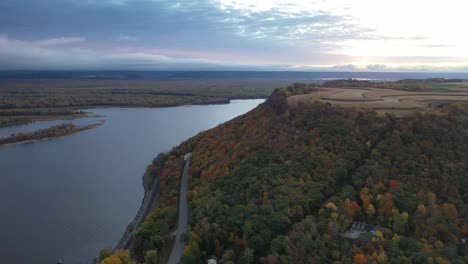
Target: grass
(443,87)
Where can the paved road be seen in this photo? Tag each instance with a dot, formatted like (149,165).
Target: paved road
(182,221)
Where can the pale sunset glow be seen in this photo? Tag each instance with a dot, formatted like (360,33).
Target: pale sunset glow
(360,35)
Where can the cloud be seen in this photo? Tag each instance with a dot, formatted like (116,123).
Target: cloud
(43,54)
(185,22)
(347,67)
(437,45)
(297,26)
(460,68)
(122,37)
(20,54)
(228,32)
(60,41)
(377,67)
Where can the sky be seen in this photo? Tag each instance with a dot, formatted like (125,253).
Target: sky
(308,35)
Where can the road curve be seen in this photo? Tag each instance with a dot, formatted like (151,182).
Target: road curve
(182,220)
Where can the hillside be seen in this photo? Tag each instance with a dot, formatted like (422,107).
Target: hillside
(284,184)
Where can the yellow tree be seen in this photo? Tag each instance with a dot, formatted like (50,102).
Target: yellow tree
(370,210)
(112,260)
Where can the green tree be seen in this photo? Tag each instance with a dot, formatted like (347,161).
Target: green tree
(152,257)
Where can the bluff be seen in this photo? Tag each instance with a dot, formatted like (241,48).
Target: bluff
(283,185)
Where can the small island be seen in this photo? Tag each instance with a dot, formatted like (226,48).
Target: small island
(48,133)
(24,100)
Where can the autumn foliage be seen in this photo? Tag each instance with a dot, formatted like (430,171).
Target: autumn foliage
(281,185)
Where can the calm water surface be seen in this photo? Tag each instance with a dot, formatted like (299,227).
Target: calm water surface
(71,196)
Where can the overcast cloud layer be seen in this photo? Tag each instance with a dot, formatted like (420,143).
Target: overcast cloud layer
(233,34)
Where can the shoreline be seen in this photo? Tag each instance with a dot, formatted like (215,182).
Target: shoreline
(149,198)
(50,118)
(91,114)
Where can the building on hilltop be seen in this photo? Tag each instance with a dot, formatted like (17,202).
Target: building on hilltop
(359,228)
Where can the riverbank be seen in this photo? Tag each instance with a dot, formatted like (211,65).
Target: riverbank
(46,134)
(150,196)
(25,116)
(174,245)
(58,99)
(20,116)
(85,189)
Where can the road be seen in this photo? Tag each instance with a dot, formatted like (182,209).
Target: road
(182,220)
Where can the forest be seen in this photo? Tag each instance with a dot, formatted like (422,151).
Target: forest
(24,101)
(282,185)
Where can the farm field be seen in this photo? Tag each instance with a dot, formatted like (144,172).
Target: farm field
(387,100)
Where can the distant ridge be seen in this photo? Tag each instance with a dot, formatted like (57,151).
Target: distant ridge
(229,75)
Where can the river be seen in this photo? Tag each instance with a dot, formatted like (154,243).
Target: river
(69,197)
